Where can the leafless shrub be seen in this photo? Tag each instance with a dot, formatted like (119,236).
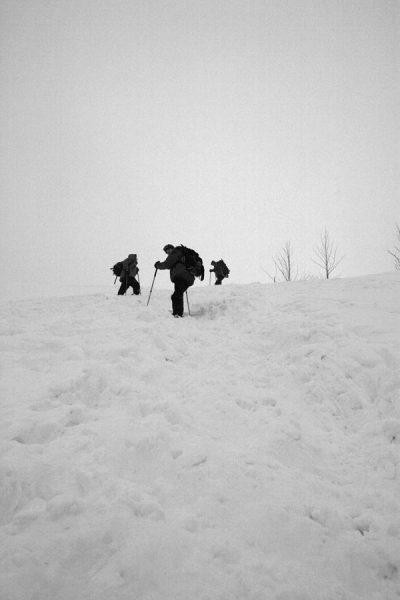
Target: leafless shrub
(326,254)
(284,264)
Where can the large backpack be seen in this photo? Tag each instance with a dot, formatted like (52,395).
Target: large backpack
(225,269)
(193,262)
(117,269)
(221,266)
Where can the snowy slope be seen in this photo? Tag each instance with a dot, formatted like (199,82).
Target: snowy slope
(249,452)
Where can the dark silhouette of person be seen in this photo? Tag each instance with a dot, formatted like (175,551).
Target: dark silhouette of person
(128,275)
(179,275)
(221,271)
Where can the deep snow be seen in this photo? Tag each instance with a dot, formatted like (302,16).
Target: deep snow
(248,452)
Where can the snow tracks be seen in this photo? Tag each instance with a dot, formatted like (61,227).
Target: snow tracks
(248,452)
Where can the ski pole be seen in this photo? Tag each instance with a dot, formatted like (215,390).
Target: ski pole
(140,287)
(187,300)
(151,289)
(209,281)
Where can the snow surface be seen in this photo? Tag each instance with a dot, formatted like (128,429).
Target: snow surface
(249,452)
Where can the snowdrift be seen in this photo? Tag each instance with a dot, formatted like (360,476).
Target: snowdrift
(250,451)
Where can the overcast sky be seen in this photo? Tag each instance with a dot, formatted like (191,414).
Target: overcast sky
(229,126)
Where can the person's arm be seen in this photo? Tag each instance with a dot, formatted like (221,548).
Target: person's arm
(169,262)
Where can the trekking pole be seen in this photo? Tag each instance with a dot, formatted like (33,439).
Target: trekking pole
(115,276)
(151,289)
(187,300)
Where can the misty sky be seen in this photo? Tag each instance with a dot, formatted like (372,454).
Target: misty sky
(229,126)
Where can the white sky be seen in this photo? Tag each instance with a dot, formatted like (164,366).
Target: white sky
(229,126)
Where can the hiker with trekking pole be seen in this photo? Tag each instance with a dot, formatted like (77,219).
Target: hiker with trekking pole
(127,270)
(184,265)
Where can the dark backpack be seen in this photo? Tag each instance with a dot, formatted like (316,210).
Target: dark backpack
(221,266)
(193,262)
(117,269)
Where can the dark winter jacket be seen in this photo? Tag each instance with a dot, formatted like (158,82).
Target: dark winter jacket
(129,267)
(174,262)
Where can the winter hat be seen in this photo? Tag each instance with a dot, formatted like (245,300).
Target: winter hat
(168,247)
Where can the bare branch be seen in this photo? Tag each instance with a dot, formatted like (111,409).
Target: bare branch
(284,263)
(306,277)
(326,254)
(395,252)
(272,277)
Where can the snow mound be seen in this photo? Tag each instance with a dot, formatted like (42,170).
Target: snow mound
(250,451)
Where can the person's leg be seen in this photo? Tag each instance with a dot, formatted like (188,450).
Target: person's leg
(177,300)
(135,286)
(123,288)
(177,297)
(218,281)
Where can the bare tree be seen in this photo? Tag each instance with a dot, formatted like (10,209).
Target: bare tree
(395,252)
(326,254)
(284,263)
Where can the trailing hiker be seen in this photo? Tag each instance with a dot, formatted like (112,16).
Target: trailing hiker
(221,271)
(127,270)
(184,265)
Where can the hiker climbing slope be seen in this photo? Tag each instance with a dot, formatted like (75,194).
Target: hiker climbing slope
(128,275)
(221,271)
(183,270)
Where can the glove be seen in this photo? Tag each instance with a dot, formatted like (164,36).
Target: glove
(157,264)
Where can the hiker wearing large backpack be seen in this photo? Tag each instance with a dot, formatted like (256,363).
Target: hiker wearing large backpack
(128,274)
(220,269)
(184,265)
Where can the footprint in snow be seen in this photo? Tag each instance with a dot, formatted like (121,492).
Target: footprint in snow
(39,433)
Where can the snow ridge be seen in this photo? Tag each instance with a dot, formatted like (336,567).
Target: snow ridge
(250,451)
